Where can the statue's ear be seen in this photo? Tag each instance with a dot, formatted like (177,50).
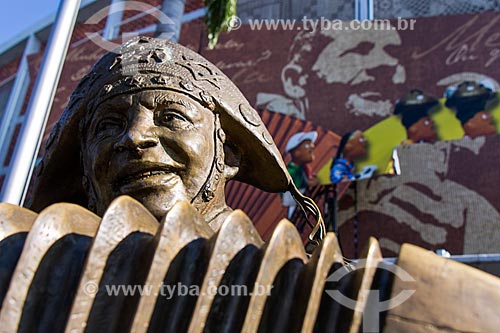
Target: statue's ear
(232,159)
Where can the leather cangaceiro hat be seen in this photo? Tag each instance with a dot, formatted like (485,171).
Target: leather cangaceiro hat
(148,63)
(413,106)
(469,98)
(469,91)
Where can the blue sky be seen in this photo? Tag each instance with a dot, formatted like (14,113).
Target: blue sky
(18,15)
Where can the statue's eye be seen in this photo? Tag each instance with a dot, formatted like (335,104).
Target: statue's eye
(172,119)
(110,125)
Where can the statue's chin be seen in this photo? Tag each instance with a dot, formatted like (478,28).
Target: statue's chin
(158,200)
(157,193)
(159,204)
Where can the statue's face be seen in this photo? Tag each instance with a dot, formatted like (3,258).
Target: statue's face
(480,124)
(155,145)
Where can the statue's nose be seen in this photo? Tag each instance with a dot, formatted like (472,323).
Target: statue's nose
(139,135)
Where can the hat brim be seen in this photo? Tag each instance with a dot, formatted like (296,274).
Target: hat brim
(261,164)
(455,101)
(312,136)
(402,108)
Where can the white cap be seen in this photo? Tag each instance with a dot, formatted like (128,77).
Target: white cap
(296,139)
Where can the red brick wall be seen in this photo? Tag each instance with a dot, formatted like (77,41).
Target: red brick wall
(9,69)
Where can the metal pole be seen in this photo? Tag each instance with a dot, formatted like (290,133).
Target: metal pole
(371,10)
(17,95)
(363,10)
(174,10)
(28,144)
(112,28)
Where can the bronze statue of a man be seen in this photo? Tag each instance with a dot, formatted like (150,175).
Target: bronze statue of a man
(156,121)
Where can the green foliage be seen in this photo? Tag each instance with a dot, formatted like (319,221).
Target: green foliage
(220,14)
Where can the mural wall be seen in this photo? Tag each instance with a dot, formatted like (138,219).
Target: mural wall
(346,80)
(341,80)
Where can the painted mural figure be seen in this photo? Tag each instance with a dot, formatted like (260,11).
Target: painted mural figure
(352,146)
(294,79)
(354,58)
(470,100)
(158,122)
(300,146)
(414,109)
(422,186)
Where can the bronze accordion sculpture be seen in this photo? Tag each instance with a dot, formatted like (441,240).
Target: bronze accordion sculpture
(65,270)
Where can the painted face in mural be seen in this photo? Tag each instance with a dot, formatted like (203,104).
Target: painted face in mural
(422,131)
(323,65)
(480,124)
(294,75)
(304,153)
(357,57)
(355,146)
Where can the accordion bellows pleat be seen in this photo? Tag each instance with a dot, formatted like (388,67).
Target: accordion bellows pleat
(60,271)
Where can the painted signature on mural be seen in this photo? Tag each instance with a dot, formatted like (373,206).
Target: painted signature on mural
(247,72)
(229,44)
(249,76)
(264,55)
(494,55)
(463,42)
(83,54)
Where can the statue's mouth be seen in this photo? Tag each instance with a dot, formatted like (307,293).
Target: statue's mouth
(141,176)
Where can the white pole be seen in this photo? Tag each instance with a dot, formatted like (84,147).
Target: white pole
(114,19)
(28,144)
(370,9)
(363,10)
(17,95)
(174,10)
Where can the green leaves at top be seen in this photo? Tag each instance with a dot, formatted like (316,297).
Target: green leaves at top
(220,14)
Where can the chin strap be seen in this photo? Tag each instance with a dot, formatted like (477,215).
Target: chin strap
(309,206)
(208,190)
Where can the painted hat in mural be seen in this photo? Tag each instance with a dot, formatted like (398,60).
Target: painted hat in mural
(149,63)
(469,98)
(296,139)
(414,106)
